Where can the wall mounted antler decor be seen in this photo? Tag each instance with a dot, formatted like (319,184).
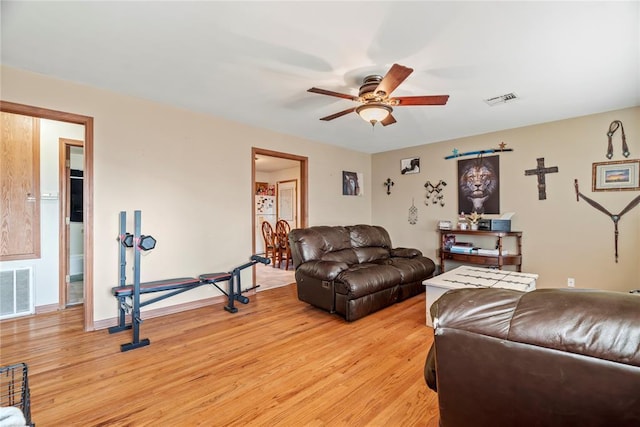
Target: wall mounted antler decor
(434,193)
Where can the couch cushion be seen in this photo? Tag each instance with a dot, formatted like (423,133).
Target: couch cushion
(363,279)
(347,256)
(595,323)
(371,254)
(413,269)
(313,243)
(363,236)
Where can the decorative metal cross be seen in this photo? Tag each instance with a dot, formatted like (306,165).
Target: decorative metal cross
(541,171)
(388,183)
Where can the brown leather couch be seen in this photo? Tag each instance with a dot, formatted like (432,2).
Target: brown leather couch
(353,270)
(551,357)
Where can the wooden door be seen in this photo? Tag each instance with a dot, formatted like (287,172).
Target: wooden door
(19,187)
(288,201)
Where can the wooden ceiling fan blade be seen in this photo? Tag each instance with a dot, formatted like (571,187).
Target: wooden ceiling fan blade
(340,114)
(396,75)
(389,120)
(332,93)
(404,101)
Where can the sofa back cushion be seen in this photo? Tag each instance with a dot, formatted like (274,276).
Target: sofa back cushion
(550,357)
(370,242)
(595,323)
(324,243)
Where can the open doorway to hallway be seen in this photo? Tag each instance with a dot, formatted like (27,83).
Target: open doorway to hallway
(279,188)
(48,296)
(71,222)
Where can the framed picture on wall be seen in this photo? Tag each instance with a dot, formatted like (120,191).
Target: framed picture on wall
(479,185)
(616,176)
(351,183)
(410,165)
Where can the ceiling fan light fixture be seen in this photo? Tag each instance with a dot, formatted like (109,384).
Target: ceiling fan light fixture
(373,113)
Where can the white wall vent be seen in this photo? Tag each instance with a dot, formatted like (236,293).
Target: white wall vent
(16,292)
(501,99)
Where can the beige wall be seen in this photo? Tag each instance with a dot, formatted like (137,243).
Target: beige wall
(562,238)
(189,173)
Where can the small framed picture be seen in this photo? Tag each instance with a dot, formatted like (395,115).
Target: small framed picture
(616,176)
(410,165)
(352,183)
(449,240)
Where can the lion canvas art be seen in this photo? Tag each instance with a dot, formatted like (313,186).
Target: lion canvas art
(479,185)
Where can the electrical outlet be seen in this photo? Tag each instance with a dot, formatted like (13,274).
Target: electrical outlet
(571,282)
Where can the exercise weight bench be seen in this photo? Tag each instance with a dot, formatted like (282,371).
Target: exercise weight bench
(129,295)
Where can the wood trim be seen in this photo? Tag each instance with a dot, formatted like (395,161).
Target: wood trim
(304,179)
(87,122)
(64,145)
(302,188)
(48,308)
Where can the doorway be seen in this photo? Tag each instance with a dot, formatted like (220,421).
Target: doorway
(274,172)
(87,188)
(71,173)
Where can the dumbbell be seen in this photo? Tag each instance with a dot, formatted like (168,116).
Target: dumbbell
(126,240)
(146,243)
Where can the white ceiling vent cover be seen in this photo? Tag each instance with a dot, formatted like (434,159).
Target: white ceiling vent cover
(501,99)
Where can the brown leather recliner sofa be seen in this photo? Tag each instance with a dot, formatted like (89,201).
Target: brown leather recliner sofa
(551,357)
(353,270)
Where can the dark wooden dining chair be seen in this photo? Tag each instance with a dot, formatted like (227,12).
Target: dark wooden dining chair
(282,241)
(270,242)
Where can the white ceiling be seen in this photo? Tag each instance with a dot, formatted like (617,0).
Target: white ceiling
(271,164)
(252,62)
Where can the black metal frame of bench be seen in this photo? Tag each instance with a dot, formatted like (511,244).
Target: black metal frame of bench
(172,286)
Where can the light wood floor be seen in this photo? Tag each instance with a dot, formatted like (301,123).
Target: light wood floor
(277,361)
(269,277)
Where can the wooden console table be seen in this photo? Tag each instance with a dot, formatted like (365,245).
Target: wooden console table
(497,260)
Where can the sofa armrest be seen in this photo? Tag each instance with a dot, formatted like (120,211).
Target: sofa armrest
(405,252)
(430,369)
(323,270)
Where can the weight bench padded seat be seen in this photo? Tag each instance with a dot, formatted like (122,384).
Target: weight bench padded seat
(215,277)
(171,284)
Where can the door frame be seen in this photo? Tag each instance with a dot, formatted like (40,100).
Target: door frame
(302,188)
(65,198)
(87,122)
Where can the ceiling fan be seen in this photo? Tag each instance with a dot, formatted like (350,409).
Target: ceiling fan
(376,105)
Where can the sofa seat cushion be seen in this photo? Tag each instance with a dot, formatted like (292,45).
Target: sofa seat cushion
(413,269)
(367,278)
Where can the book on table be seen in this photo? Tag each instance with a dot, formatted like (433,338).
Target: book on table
(493,252)
(462,248)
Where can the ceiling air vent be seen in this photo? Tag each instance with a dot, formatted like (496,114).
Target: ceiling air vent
(501,99)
